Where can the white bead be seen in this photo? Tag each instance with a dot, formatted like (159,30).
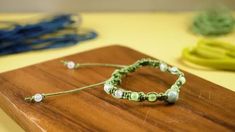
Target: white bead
(107,88)
(38,97)
(174,70)
(172,96)
(163,67)
(71,65)
(182,80)
(118,94)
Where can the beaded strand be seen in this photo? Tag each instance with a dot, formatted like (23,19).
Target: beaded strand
(111,85)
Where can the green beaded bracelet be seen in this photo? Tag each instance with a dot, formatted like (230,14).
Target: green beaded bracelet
(111,86)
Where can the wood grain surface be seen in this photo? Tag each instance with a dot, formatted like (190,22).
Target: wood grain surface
(203,106)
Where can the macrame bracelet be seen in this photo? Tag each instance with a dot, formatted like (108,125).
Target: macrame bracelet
(111,86)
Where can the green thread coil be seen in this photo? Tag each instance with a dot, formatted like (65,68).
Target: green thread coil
(213,23)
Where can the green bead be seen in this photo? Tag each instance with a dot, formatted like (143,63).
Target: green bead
(152,97)
(135,96)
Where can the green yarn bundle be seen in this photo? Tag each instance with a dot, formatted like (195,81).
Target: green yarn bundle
(213,23)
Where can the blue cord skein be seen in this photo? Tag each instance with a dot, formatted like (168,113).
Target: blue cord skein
(27,37)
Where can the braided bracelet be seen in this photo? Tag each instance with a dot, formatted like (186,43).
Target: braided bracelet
(111,85)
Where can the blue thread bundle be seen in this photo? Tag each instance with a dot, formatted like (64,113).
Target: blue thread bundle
(29,37)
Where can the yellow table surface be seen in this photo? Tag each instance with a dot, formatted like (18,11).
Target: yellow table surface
(159,34)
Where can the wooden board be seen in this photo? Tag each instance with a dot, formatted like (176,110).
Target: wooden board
(203,106)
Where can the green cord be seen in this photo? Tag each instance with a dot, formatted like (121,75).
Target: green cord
(213,23)
(100,64)
(78,65)
(66,92)
(31,98)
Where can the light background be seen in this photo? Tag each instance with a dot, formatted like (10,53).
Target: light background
(110,5)
(159,34)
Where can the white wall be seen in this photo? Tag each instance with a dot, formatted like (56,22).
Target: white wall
(108,5)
